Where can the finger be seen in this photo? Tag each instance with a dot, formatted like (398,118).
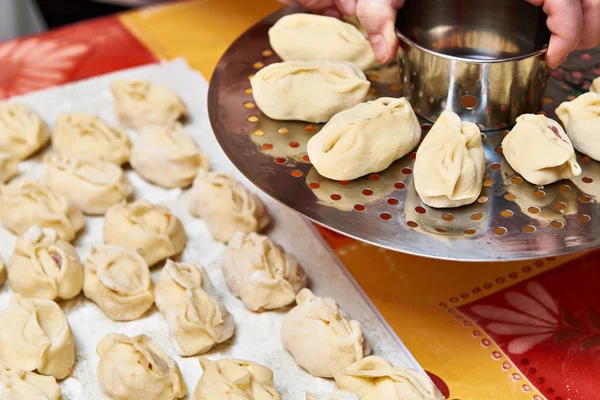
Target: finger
(332,12)
(379,17)
(317,6)
(347,7)
(591,24)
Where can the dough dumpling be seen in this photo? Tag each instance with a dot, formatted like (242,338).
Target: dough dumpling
(337,395)
(88,137)
(312,91)
(36,336)
(136,368)
(93,185)
(226,206)
(366,138)
(582,122)
(261,273)
(17,384)
(186,298)
(316,37)
(540,151)
(118,281)
(167,156)
(9,167)
(150,229)
(595,85)
(230,379)
(26,203)
(320,338)
(374,378)
(450,164)
(43,266)
(22,132)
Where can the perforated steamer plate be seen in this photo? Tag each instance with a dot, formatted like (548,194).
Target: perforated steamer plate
(511,220)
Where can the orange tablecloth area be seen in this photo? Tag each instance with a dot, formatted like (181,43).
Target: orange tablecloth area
(484,331)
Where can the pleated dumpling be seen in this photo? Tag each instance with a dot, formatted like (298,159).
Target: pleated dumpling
(595,85)
(16,384)
(337,395)
(582,122)
(364,139)
(9,167)
(450,164)
(540,151)
(22,132)
(316,37)
(312,91)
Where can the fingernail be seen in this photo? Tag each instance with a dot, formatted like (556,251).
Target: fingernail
(379,46)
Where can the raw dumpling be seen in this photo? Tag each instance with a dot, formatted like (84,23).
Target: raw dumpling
(26,203)
(186,298)
(22,132)
(230,379)
(364,139)
(539,149)
(88,137)
(337,395)
(93,185)
(140,103)
(226,206)
(374,378)
(136,368)
(316,37)
(320,338)
(312,91)
(450,164)
(150,229)
(118,281)
(595,85)
(44,266)
(582,122)
(260,273)
(355,22)
(9,167)
(36,336)
(167,156)
(17,384)
(2,272)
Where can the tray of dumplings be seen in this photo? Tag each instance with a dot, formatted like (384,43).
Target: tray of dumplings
(326,133)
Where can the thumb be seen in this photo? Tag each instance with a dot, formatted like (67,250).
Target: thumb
(379,18)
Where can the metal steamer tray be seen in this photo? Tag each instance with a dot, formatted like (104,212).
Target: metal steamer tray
(511,220)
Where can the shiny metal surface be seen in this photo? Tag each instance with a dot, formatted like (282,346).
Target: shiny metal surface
(483,60)
(512,219)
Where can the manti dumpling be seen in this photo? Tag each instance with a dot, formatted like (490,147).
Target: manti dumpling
(36,336)
(364,139)
(595,85)
(230,379)
(320,338)
(582,122)
(16,384)
(337,395)
(374,378)
(226,206)
(140,103)
(118,281)
(312,91)
(22,132)
(261,273)
(150,229)
(316,37)
(187,299)
(538,149)
(25,203)
(44,266)
(93,185)
(450,164)
(167,156)
(137,368)
(9,167)
(88,137)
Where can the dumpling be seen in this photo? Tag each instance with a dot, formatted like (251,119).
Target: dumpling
(374,378)
(538,149)
(582,122)
(118,281)
(36,336)
(23,385)
(26,203)
(316,37)
(226,206)
(366,138)
(88,137)
(450,164)
(337,395)
(9,167)
(93,185)
(150,229)
(186,298)
(44,266)
(136,368)
(355,22)
(320,338)
(230,379)
(595,85)
(167,156)
(22,132)
(140,103)
(312,91)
